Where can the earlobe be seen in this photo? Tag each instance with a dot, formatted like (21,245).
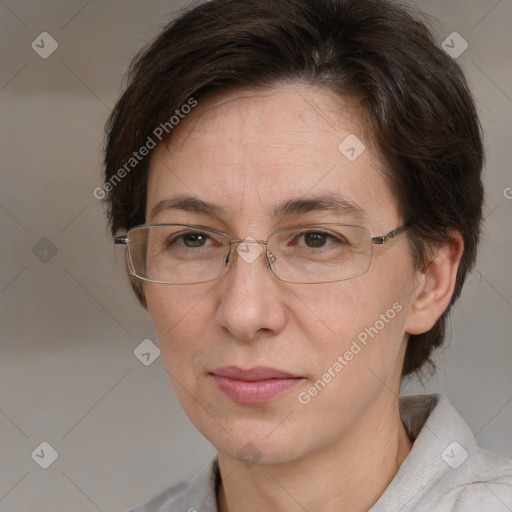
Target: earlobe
(435,288)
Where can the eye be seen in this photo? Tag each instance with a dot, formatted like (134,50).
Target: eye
(191,239)
(317,239)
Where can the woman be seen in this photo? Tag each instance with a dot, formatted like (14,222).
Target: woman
(298,183)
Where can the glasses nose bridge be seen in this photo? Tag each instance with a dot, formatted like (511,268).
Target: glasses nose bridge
(249,240)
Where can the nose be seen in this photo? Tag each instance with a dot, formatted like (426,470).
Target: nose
(251,297)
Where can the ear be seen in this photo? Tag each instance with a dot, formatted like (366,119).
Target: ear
(435,288)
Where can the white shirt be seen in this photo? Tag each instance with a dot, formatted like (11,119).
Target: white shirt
(444,471)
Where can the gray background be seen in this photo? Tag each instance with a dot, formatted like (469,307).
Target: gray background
(68,321)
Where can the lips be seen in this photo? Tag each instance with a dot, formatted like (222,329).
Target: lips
(254,385)
(253,374)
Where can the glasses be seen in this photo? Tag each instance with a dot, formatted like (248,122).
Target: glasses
(190,254)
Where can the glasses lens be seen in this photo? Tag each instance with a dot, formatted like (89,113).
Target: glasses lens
(320,254)
(177,254)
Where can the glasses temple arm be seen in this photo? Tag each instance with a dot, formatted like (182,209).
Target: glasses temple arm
(121,240)
(384,239)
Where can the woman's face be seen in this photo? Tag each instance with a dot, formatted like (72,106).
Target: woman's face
(343,342)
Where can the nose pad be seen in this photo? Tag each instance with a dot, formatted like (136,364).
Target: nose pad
(269,259)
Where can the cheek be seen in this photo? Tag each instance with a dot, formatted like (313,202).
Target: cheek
(339,311)
(361,320)
(183,323)
(180,319)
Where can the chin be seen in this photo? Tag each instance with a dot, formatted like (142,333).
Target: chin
(254,441)
(251,451)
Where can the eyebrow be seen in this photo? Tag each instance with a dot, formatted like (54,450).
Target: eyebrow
(189,204)
(333,203)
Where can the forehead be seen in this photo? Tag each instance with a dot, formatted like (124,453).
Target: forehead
(302,120)
(250,150)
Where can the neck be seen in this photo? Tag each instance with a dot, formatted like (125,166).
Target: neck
(349,475)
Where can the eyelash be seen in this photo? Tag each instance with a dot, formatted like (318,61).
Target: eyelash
(335,239)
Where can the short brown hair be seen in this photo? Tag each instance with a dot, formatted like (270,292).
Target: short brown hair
(415,100)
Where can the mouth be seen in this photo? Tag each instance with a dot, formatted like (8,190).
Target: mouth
(255,385)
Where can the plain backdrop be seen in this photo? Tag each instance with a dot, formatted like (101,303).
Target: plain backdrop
(69,323)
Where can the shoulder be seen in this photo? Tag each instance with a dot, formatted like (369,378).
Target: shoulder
(446,470)
(468,477)
(169,497)
(188,496)
(485,483)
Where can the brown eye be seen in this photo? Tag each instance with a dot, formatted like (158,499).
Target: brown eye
(315,239)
